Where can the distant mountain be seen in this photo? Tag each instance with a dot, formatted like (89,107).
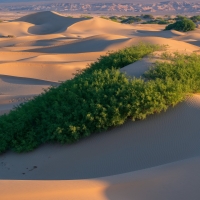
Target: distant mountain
(133,7)
(16,1)
(89,1)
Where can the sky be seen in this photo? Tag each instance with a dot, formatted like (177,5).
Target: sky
(94,1)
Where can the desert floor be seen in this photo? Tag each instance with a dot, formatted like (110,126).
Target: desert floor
(158,158)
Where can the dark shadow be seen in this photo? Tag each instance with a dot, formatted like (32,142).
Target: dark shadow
(26,81)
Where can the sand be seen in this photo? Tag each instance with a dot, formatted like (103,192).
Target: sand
(158,158)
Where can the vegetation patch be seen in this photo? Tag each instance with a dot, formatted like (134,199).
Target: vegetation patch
(100,97)
(195,18)
(182,25)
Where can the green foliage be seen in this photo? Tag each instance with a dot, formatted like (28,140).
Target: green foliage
(104,17)
(131,19)
(156,21)
(182,68)
(10,36)
(100,97)
(182,25)
(86,16)
(163,22)
(195,18)
(180,18)
(122,57)
(93,101)
(148,16)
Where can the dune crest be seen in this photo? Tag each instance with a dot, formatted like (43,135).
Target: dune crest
(47,22)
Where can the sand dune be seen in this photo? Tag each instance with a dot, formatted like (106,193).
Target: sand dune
(149,27)
(192,38)
(158,158)
(138,68)
(15,90)
(47,22)
(161,182)
(94,44)
(105,43)
(98,26)
(42,70)
(14,28)
(16,56)
(78,57)
(165,34)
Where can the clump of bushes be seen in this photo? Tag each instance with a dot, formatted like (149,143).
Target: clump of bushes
(195,18)
(180,18)
(10,36)
(100,97)
(91,102)
(148,16)
(131,19)
(114,18)
(182,69)
(86,16)
(182,25)
(156,21)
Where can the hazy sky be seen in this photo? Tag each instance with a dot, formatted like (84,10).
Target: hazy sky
(94,1)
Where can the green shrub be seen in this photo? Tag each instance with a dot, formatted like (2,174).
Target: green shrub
(182,68)
(183,25)
(131,19)
(163,22)
(114,18)
(156,22)
(86,16)
(195,18)
(180,18)
(100,97)
(10,36)
(148,16)
(93,101)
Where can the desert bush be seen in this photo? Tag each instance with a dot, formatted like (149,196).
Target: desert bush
(91,102)
(182,25)
(10,36)
(182,68)
(131,19)
(180,18)
(156,21)
(148,16)
(114,18)
(104,17)
(100,97)
(86,16)
(195,18)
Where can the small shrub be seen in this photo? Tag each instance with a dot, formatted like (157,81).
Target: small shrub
(10,36)
(86,16)
(131,19)
(97,98)
(148,16)
(183,25)
(195,18)
(180,18)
